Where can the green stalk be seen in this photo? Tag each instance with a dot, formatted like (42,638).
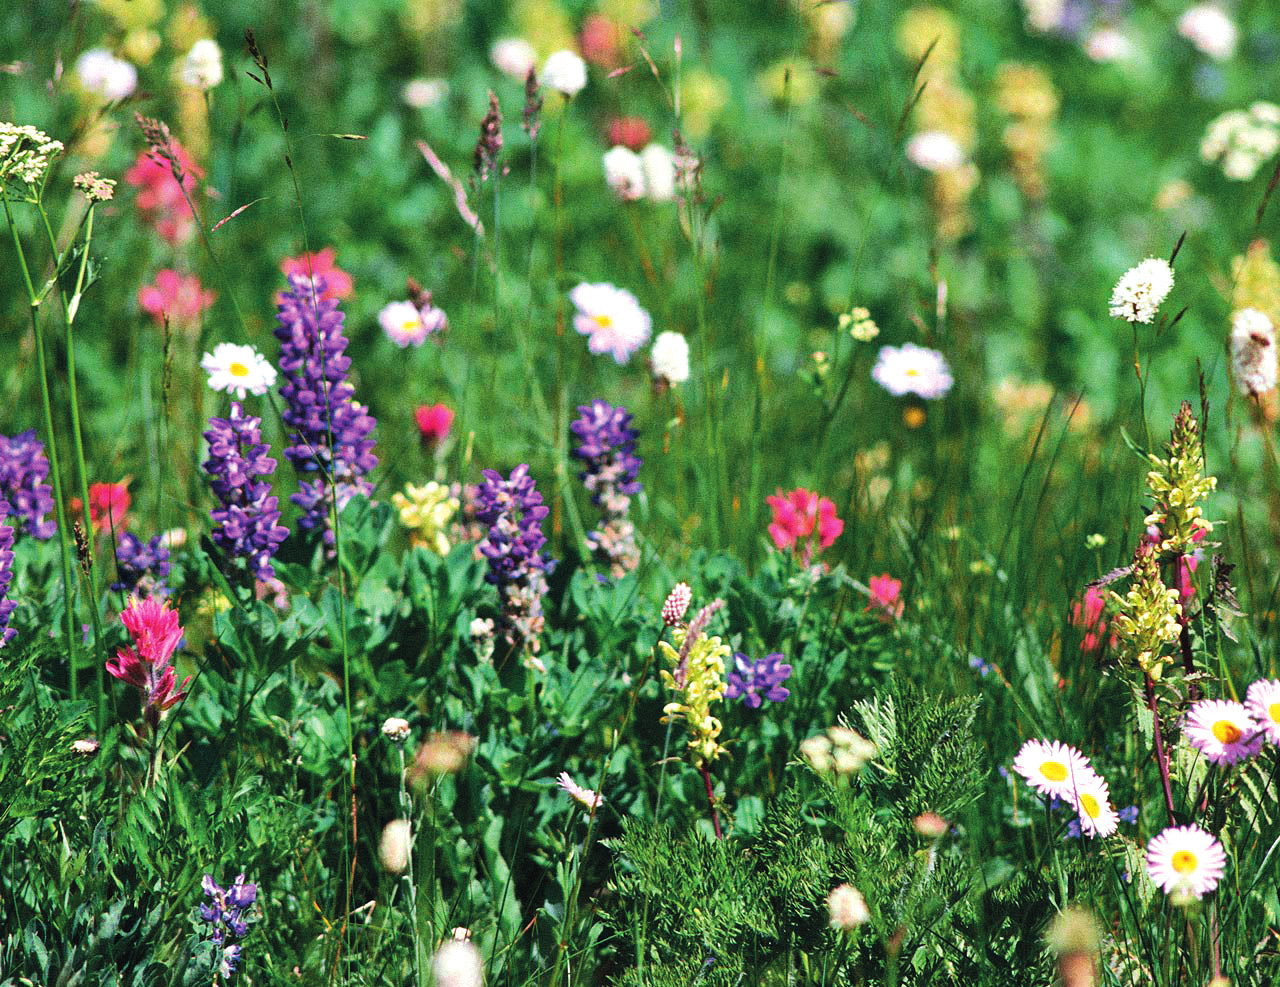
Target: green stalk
(54,469)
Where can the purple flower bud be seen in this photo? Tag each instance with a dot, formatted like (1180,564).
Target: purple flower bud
(754,682)
(141,566)
(23,472)
(606,445)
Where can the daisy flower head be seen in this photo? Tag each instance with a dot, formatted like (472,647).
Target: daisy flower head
(611,319)
(912,369)
(1138,294)
(403,324)
(1092,802)
(1223,731)
(1263,701)
(232,367)
(585,797)
(1053,768)
(1185,860)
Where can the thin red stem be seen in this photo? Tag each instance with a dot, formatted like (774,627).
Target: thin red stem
(1162,762)
(711,800)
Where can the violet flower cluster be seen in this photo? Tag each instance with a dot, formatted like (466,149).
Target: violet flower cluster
(755,682)
(226,913)
(24,471)
(141,566)
(6,575)
(513,510)
(606,446)
(245,522)
(329,430)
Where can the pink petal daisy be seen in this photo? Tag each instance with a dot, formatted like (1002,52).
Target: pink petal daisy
(1186,860)
(1223,731)
(1052,768)
(583,796)
(1263,701)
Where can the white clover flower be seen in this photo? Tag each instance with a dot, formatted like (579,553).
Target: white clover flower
(1208,27)
(565,72)
(624,173)
(1253,352)
(105,75)
(1138,294)
(423,93)
(669,357)
(396,729)
(513,57)
(659,173)
(235,368)
(202,68)
(912,369)
(933,150)
(395,846)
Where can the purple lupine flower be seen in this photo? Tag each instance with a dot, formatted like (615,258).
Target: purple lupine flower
(141,566)
(23,472)
(513,510)
(606,446)
(754,682)
(329,430)
(226,913)
(238,466)
(6,575)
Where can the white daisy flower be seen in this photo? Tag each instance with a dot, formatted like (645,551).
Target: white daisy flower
(101,73)
(1053,768)
(912,369)
(1092,802)
(585,797)
(407,325)
(1253,352)
(1223,731)
(611,319)
(565,72)
(1138,294)
(513,57)
(1263,701)
(1185,860)
(239,369)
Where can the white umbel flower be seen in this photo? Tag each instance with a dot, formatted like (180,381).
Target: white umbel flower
(669,357)
(102,74)
(1138,294)
(202,68)
(565,72)
(624,173)
(1207,26)
(1253,352)
(933,150)
(458,964)
(235,368)
(659,173)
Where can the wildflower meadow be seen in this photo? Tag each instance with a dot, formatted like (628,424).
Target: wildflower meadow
(639,492)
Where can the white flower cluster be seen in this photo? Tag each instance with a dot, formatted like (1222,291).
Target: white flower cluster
(1243,140)
(935,151)
(565,72)
(25,153)
(1138,294)
(669,358)
(202,68)
(651,174)
(103,74)
(1253,352)
(1207,26)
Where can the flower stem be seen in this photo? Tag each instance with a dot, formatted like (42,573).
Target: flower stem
(711,799)
(1162,761)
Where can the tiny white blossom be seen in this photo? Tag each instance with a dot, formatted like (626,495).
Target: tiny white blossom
(669,357)
(624,173)
(1253,352)
(395,846)
(202,68)
(659,173)
(423,93)
(1138,294)
(933,150)
(396,729)
(232,367)
(565,72)
(513,57)
(1208,27)
(1109,44)
(105,75)
(458,964)
(847,907)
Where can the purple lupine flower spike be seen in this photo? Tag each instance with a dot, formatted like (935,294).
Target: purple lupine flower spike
(238,466)
(6,575)
(329,430)
(513,510)
(606,446)
(23,472)
(226,912)
(141,566)
(755,682)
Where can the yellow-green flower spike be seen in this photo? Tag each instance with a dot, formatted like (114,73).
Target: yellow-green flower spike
(1148,617)
(1177,485)
(697,685)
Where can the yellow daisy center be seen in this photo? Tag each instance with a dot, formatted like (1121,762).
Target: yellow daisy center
(1226,732)
(1090,806)
(238,369)
(1054,770)
(603,321)
(912,372)
(1273,711)
(1184,862)
(408,325)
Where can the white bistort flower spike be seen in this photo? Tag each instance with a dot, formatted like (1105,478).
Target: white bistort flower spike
(624,173)
(669,357)
(202,68)
(1253,352)
(565,72)
(1137,296)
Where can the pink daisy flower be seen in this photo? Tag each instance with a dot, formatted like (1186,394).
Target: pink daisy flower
(1052,768)
(611,319)
(585,797)
(1223,731)
(1263,701)
(1185,860)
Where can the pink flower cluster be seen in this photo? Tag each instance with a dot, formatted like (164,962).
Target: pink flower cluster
(156,635)
(176,296)
(161,199)
(320,263)
(886,597)
(796,517)
(434,422)
(108,506)
(1089,615)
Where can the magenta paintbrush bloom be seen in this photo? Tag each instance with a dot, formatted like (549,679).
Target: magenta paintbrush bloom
(156,635)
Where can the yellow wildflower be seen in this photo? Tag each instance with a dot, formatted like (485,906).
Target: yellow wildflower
(426,511)
(698,683)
